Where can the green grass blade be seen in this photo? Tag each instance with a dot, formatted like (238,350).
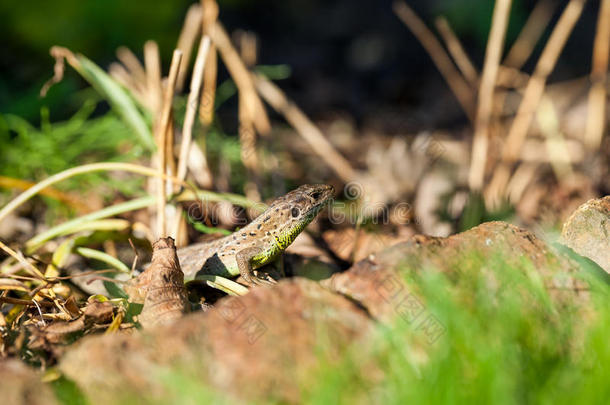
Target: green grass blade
(77,223)
(118,98)
(103,257)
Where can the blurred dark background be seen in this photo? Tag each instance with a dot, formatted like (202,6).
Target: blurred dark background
(351,57)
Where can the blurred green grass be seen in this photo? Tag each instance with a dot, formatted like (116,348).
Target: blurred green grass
(508,345)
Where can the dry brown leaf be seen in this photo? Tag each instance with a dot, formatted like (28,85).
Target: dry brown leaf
(161,286)
(98,312)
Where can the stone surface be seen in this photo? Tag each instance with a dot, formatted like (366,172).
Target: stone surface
(378,282)
(258,346)
(587,231)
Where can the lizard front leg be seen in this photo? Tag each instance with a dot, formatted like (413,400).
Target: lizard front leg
(243,259)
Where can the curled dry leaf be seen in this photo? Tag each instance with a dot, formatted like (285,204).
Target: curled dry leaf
(160,287)
(98,312)
(58,332)
(72,307)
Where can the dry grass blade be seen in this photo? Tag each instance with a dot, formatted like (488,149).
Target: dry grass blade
(525,173)
(248,47)
(509,75)
(495,190)
(164,123)
(493,53)
(307,129)
(119,73)
(189,34)
(511,78)
(152,61)
(456,50)
(206,109)
(132,64)
(456,82)
(208,95)
(242,78)
(548,121)
(528,37)
(19,257)
(187,133)
(10,284)
(249,156)
(535,86)
(223,284)
(191,106)
(596,107)
(537,151)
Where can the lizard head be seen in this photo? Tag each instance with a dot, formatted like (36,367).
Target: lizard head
(297,209)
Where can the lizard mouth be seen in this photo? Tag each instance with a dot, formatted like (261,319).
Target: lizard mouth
(322,195)
(321,203)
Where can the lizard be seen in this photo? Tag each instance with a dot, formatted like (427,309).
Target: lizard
(261,241)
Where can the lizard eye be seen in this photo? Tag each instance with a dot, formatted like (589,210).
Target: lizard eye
(294,212)
(316,195)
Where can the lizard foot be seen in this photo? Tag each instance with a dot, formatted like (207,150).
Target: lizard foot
(259,280)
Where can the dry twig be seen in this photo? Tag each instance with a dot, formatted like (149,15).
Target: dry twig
(533,28)
(241,77)
(531,97)
(596,107)
(456,82)
(206,108)
(509,74)
(535,86)
(152,61)
(132,64)
(19,257)
(189,34)
(187,130)
(307,129)
(559,156)
(493,53)
(164,123)
(249,156)
(191,106)
(455,48)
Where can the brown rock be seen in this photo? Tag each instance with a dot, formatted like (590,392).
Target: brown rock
(378,282)
(258,346)
(20,384)
(587,231)
(349,244)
